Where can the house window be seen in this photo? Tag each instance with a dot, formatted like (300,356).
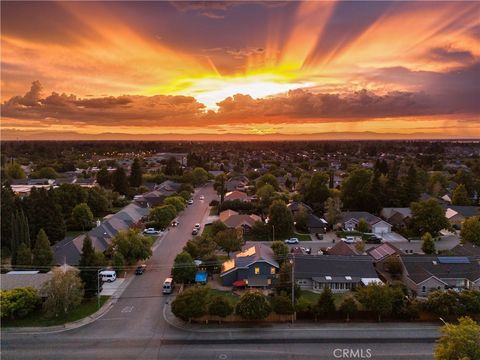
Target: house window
(272,270)
(423,289)
(257,271)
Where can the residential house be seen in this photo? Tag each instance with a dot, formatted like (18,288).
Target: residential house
(423,274)
(296,206)
(68,251)
(236,195)
(456,215)
(316,225)
(233,219)
(339,273)
(467,249)
(17,279)
(383,251)
(341,248)
(255,266)
(376,225)
(398,217)
(236,184)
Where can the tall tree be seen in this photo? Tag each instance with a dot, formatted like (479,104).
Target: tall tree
(90,262)
(9,207)
(326,303)
(132,245)
(428,245)
(219,186)
(82,217)
(253,306)
(103,178)
(280,250)
(63,292)
(120,181)
(45,213)
(470,232)
(42,252)
(229,240)
(376,298)
(428,216)
(410,186)
(23,257)
(281,218)
(15,171)
(191,303)
(265,179)
(20,236)
(317,191)
(136,173)
(333,210)
(184,268)
(460,196)
(460,341)
(357,192)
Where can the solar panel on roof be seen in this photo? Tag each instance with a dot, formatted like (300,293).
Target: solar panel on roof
(453,260)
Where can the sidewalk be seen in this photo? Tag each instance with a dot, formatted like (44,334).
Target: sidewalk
(300,330)
(75,324)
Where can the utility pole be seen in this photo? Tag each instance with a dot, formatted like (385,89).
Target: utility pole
(98,288)
(292,263)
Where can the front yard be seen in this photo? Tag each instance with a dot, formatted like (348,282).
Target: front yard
(37,318)
(312,297)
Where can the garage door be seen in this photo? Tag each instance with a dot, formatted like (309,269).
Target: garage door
(381,229)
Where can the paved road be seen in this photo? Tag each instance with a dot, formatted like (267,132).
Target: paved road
(135,328)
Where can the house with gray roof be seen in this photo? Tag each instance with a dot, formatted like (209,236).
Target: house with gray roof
(423,274)
(350,220)
(68,251)
(339,273)
(255,266)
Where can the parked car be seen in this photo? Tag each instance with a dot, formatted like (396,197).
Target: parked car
(197,226)
(349,240)
(319,236)
(168,286)
(175,223)
(151,231)
(140,269)
(306,250)
(190,202)
(108,276)
(195,231)
(202,197)
(292,241)
(374,240)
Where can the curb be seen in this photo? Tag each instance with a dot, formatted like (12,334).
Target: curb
(74,324)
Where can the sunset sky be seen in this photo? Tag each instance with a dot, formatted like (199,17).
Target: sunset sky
(245,70)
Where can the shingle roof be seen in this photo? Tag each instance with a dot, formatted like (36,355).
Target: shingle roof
(357,215)
(467,249)
(420,268)
(13,281)
(69,250)
(332,265)
(249,255)
(382,251)
(341,248)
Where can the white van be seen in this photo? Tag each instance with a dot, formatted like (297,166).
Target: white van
(168,286)
(108,275)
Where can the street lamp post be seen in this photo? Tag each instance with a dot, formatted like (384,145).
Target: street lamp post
(273,228)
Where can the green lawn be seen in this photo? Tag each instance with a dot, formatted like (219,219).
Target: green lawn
(213,211)
(37,318)
(207,230)
(233,298)
(312,297)
(302,237)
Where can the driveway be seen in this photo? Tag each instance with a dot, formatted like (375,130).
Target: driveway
(109,288)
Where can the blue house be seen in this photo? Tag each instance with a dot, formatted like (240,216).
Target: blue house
(254,266)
